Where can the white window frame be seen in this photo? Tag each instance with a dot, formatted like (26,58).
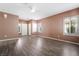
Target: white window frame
(69,34)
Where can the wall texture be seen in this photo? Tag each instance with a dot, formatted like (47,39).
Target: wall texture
(8,26)
(53,26)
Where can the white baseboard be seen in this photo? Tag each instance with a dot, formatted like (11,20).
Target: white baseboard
(9,39)
(60,40)
(44,37)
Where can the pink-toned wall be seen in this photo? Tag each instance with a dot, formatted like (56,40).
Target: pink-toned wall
(53,26)
(9,25)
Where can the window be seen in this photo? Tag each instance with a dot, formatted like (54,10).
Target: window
(34,26)
(71,25)
(39,27)
(19,28)
(29,31)
(22,28)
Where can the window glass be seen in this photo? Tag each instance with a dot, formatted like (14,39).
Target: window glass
(34,27)
(71,25)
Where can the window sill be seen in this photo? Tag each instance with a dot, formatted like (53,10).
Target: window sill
(71,34)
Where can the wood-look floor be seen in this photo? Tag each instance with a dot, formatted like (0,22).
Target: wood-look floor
(36,46)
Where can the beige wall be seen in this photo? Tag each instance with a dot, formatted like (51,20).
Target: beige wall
(8,26)
(53,26)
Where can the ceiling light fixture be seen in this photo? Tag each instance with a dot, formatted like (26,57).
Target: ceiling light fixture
(33,9)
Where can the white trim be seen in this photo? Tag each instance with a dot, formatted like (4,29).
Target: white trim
(43,37)
(64,24)
(9,39)
(60,40)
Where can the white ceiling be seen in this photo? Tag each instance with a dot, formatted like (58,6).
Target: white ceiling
(42,10)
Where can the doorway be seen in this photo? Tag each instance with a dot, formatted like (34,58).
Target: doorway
(24,29)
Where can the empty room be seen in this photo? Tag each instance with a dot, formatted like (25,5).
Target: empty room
(39,29)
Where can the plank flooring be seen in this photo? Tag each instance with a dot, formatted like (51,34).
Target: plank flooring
(37,46)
